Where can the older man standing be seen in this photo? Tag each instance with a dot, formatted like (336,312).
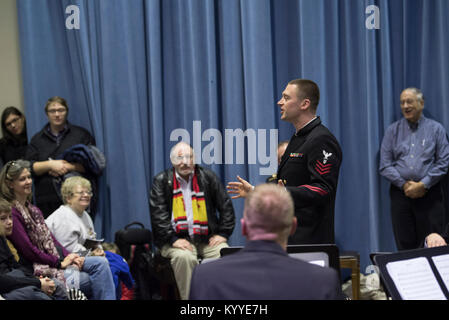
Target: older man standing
(191,214)
(414,156)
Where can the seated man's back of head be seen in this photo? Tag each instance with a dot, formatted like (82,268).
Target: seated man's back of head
(263,270)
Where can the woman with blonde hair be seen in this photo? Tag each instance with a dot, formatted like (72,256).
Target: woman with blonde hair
(70,223)
(74,229)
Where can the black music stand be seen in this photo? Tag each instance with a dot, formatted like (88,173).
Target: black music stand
(401,273)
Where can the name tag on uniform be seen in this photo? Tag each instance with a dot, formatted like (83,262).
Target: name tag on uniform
(296,155)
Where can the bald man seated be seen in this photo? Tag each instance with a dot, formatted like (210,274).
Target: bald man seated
(262,270)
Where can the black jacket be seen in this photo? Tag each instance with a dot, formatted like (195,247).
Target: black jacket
(445,234)
(215,195)
(310,167)
(7,264)
(263,271)
(12,149)
(44,146)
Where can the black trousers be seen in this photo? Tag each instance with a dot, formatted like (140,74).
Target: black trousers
(414,219)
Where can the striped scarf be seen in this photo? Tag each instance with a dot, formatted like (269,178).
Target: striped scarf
(200,224)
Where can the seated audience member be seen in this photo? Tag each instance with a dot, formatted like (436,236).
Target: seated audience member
(38,247)
(437,240)
(263,270)
(14,143)
(57,136)
(73,228)
(184,201)
(17,282)
(119,270)
(70,223)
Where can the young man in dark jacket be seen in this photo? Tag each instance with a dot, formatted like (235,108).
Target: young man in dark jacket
(309,168)
(46,145)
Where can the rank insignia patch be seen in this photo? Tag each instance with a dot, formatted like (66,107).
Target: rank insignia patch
(322,168)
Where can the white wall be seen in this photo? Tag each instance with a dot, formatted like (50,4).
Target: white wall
(11,92)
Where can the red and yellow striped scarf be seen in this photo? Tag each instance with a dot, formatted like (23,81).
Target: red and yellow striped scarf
(200,224)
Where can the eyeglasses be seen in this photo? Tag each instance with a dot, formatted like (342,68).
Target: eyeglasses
(82,193)
(17,165)
(9,165)
(180,158)
(408,101)
(12,122)
(60,110)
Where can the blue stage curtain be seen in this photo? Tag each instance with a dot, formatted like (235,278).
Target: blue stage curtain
(135,71)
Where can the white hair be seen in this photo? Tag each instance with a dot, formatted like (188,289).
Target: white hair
(417,92)
(175,148)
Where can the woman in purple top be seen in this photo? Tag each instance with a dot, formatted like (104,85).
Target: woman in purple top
(32,238)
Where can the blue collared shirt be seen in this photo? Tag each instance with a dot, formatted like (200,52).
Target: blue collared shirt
(417,152)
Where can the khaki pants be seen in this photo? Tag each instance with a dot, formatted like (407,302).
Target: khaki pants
(184,261)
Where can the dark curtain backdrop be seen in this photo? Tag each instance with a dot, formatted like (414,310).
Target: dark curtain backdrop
(137,70)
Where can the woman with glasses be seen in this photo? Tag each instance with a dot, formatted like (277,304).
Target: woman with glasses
(14,142)
(70,223)
(73,228)
(35,242)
